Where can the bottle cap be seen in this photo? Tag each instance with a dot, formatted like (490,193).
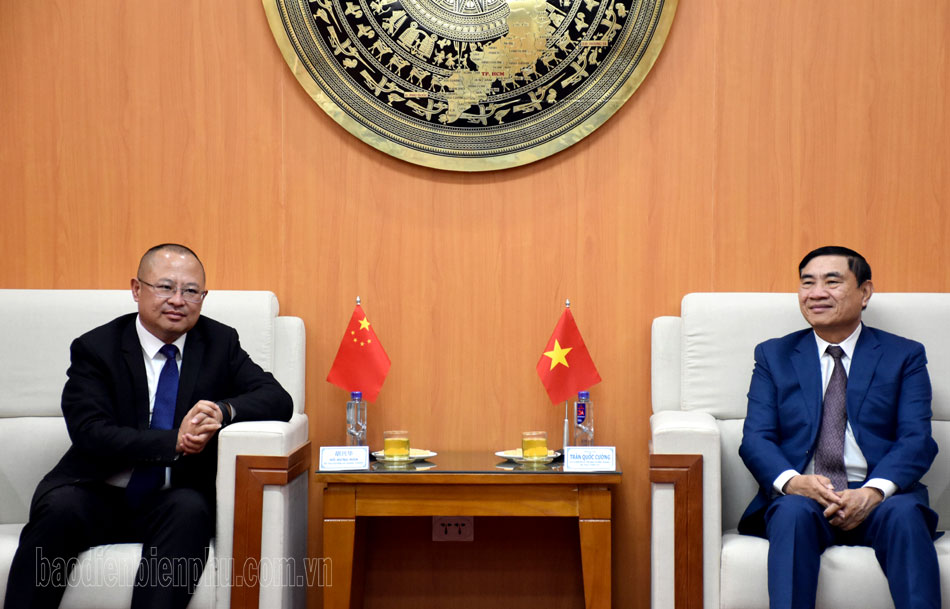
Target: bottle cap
(583,395)
(356,396)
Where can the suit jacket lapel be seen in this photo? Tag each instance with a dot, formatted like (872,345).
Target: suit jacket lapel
(867,353)
(191,362)
(132,351)
(808,369)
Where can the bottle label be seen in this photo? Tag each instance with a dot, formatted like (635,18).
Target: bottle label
(581,413)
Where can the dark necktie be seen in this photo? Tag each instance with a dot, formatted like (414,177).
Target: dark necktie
(829,453)
(149,478)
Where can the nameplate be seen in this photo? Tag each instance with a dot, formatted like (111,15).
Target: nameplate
(590,459)
(343,458)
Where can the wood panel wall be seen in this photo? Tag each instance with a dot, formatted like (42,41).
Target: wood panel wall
(765,129)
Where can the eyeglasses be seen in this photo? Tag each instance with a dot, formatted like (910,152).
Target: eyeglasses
(166,291)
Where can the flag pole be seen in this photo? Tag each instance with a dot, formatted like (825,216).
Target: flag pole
(567,305)
(357,301)
(566,423)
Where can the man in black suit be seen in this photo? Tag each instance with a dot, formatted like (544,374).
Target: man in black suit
(145,397)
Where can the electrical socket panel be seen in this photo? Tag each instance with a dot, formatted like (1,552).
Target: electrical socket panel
(453,528)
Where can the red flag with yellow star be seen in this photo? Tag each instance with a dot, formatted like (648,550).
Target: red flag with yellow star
(565,366)
(361,364)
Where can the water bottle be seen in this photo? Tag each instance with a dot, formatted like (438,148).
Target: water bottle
(583,420)
(356,420)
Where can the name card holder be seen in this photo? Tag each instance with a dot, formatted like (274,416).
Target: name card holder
(344,458)
(590,459)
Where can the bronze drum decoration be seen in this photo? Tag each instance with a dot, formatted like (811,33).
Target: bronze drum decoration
(470,85)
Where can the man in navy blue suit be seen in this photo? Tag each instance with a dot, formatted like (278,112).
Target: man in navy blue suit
(818,489)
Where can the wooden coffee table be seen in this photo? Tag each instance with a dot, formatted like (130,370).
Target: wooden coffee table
(466,484)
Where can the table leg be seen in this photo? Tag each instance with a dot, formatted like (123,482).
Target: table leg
(594,523)
(358,581)
(339,535)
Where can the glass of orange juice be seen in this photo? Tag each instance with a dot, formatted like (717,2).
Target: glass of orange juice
(396,445)
(534,445)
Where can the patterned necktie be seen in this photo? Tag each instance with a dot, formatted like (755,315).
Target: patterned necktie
(829,453)
(149,478)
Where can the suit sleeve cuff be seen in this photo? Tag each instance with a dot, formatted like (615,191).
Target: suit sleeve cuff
(885,486)
(782,480)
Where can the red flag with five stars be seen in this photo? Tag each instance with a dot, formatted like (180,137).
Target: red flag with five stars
(361,364)
(565,366)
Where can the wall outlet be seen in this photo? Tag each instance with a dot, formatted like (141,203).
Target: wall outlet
(453,528)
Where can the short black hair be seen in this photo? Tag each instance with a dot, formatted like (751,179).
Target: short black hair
(856,262)
(174,247)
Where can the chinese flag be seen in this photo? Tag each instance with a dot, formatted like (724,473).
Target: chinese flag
(361,364)
(565,366)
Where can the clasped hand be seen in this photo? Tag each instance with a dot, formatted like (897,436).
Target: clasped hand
(198,427)
(846,509)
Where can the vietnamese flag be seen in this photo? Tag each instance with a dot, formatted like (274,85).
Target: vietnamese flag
(361,364)
(565,366)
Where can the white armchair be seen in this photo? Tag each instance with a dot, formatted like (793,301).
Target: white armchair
(701,367)
(37,328)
